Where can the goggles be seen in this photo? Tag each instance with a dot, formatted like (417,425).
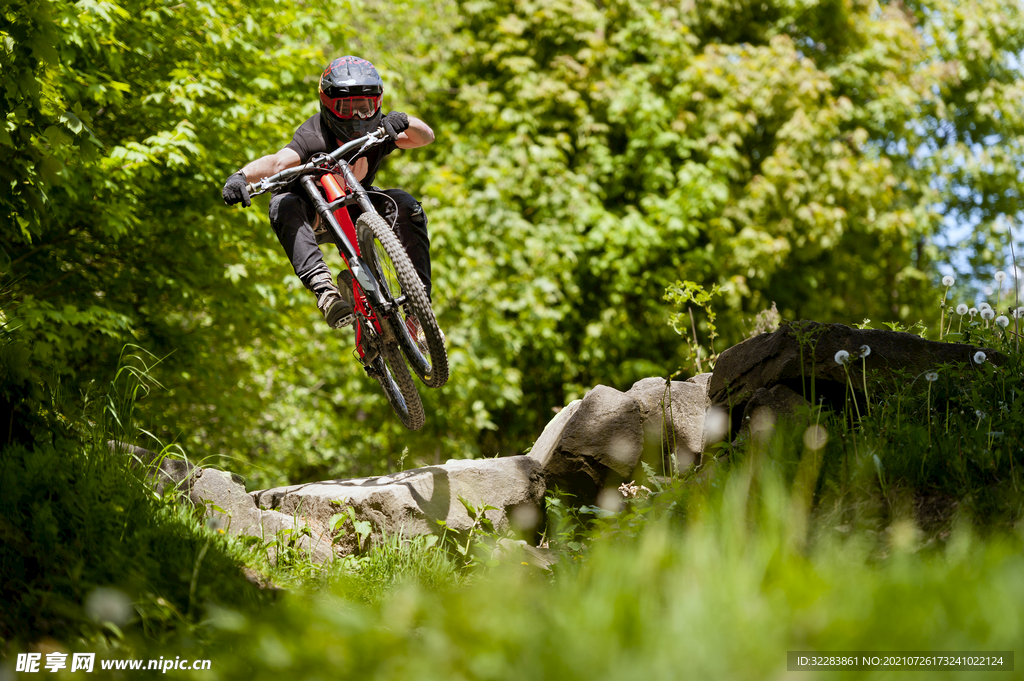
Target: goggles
(347,107)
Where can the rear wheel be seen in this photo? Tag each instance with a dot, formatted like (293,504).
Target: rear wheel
(389,369)
(382,251)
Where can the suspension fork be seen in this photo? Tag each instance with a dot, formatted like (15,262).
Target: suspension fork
(359,270)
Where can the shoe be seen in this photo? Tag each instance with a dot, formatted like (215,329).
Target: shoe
(335,306)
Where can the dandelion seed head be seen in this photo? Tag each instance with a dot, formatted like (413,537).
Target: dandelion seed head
(931,377)
(1000,276)
(716,425)
(961,309)
(865,350)
(973,311)
(984,306)
(980,414)
(1002,321)
(815,437)
(979,357)
(948,280)
(842,357)
(108,605)
(611,499)
(987,314)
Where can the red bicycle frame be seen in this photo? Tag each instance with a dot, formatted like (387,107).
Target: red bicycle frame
(335,188)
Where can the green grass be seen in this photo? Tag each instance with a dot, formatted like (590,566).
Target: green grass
(902,532)
(720,585)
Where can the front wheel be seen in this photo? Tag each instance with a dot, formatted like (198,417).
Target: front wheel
(383,253)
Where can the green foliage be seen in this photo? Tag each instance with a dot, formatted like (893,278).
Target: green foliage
(686,294)
(395,564)
(723,578)
(803,153)
(588,155)
(80,527)
(776,544)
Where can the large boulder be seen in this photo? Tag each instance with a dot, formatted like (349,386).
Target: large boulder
(769,405)
(413,502)
(799,351)
(679,444)
(229,507)
(545,446)
(599,444)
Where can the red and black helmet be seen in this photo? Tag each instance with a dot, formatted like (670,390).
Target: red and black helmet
(351,91)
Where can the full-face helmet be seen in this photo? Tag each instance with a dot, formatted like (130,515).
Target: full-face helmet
(351,91)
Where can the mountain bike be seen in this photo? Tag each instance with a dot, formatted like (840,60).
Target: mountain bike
(393,313)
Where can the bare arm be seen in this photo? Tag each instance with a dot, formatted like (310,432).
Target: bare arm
(271,165)
(418,134)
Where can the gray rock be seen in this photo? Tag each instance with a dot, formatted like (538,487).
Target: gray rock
(230,507)
(310,538)
(412,502)
(545,445)
(226,501)
(227,505)
(773,358)
(600,445)
(518,551)
(700,379)
(685,407)
(767,407)
(165,472)
(780,400)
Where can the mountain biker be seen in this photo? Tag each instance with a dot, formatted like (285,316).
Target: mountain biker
(351,92)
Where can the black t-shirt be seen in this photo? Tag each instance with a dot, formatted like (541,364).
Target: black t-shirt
(313,137)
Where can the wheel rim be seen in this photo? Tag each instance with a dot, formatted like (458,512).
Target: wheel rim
(394,392)
(388,276)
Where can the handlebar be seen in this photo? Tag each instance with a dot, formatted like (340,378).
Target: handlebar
(285,176)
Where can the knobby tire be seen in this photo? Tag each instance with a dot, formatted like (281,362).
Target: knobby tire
(393,375)
(383,253)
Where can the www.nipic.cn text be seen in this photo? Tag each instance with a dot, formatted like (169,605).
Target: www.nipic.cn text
(86,662)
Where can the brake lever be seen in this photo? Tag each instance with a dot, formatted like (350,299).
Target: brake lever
(373,138)
(263,186)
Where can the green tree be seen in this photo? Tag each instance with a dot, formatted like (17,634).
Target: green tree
(588,156)
(797,152)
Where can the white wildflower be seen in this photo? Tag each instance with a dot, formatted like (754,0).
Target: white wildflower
(973,311)
(948,280)
(979,357)
(1002,321)
(988,314)
(865,350)
(980,414)
(631,490)
(984,306)
(842,357)
(961,309)
(1000,276)
(931,377)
